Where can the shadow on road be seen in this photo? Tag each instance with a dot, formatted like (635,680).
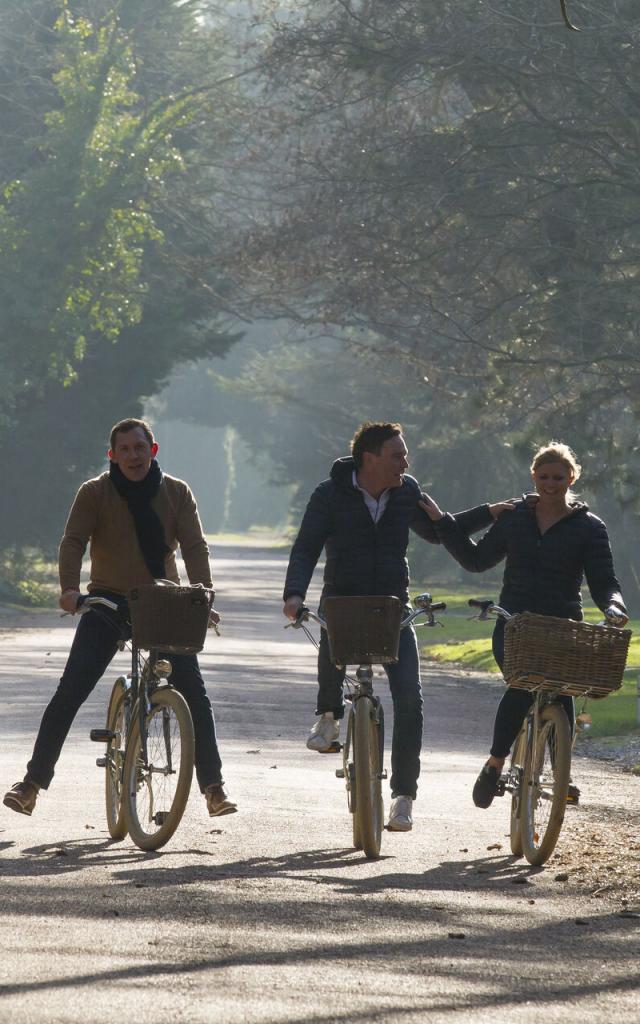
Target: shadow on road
(440,955)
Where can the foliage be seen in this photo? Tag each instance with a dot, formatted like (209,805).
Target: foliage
(463,181)
(98,301)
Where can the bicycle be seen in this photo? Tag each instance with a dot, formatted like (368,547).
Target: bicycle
(149,735)
(363,750)
(549,657)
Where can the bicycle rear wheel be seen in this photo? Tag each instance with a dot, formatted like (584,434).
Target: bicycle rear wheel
(516,772)
(369,809)
(117,715)
(156,793)
(546,781)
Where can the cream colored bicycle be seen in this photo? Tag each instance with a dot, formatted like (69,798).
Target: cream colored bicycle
(550,657)
(365,631)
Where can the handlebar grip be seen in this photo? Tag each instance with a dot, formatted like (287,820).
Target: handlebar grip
(439,607)
(474,603)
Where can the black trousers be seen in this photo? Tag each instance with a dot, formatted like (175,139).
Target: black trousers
(406,694)
(94,646)
(514,705)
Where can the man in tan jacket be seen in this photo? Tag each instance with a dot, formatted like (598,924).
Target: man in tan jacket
(133,517)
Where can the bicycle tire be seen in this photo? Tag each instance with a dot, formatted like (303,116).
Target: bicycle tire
(517,771)
(350,781)
(169,727)
(114,768)
(369,809)
(546,781)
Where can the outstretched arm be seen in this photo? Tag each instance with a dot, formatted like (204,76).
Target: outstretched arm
(470,521)
(472,556)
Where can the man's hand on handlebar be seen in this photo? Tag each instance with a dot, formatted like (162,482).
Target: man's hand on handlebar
(68,601)
(292,606)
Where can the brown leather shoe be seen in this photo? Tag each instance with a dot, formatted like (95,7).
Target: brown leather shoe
(217,800)
(22,796)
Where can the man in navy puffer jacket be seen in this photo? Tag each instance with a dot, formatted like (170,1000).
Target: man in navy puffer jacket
(362,516)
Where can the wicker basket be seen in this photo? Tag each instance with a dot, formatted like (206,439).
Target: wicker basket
(363,630)
(172,619)
(546,653)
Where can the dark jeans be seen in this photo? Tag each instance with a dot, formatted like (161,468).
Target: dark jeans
(514,705)
(93,648)
(406,693)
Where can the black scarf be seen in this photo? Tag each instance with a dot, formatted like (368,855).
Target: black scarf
(149,530)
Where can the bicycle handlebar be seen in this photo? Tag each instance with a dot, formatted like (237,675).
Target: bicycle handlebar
(86,601)
(426,607)
(488,608)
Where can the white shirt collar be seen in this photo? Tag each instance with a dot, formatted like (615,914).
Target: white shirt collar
(376,506)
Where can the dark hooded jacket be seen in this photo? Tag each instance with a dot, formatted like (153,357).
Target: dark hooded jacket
(543,572)
(363,557)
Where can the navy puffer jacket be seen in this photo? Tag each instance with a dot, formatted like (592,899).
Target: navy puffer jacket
(543,572)
(363,557)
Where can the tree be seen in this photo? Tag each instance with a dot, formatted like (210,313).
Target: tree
(98,296)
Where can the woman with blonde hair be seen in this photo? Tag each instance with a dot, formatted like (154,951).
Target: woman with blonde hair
(550,541)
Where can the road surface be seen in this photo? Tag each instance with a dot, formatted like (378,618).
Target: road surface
(268,915)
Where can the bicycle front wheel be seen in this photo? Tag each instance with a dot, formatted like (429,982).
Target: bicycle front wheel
(114,775)
(516,772)
(348,769)
(368,768)
(156,790)
(546,781)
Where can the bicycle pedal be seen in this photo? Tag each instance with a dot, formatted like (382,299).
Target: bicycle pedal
(102,735)
(160,817)
(382,775)
(335,748)
(501,787)
(339,773)
(101,762)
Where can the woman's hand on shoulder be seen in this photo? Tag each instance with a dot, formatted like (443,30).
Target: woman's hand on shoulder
(429,506)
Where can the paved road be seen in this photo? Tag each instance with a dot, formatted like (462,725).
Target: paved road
(269,916)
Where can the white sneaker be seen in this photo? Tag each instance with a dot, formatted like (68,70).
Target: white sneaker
(324,733)
(400,819)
